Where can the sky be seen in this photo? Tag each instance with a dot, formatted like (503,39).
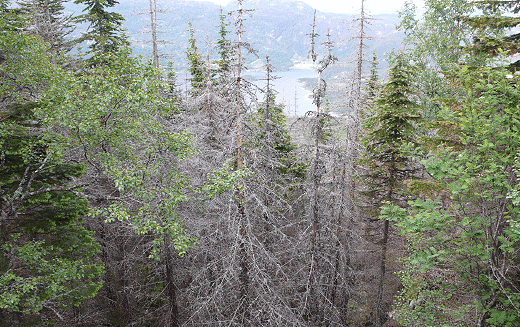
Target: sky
(347,6)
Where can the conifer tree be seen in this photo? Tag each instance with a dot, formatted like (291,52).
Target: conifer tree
(373,81)
(48,21)
(224,48)
(494,29)
(196,68)
(390,127)
(272,135)
(104,29)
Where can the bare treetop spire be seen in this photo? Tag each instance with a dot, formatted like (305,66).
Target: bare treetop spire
(313,35)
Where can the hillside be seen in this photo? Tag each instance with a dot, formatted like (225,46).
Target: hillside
(276,28)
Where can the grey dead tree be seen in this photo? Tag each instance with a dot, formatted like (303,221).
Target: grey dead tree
(237,275)
(47,20)
(279,173)
(263,145)
(356,82)
(208,114)
(347,211)
(315,300)
(362,37)
(356,99)
(270,192)
(153,11)
(153,27)
(243,257)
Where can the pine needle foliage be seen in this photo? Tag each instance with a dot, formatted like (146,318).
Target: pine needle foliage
(104,26)
(390,127)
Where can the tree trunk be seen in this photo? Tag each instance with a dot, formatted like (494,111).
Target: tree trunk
(384,247)
(243,257)
(153,25)
(173,309)
(380,288)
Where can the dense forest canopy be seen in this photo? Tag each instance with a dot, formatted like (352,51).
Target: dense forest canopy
(128,200)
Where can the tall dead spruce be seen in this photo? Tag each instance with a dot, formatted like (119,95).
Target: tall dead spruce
(153,26)
(47,20)
(240,281)
(152,11)
(346,190)
(243,256)
(316,300)
(357,101)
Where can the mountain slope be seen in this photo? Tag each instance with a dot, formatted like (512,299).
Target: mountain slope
(277,28)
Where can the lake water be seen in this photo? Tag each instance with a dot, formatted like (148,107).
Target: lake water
(290,90)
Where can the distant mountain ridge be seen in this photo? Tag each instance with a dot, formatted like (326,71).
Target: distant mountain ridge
(277,28)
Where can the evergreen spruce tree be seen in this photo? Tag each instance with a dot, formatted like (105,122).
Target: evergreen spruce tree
(272,135)
(224,48)
(196,63)
(493,28)
(104,29)
(373,81)
(390,127)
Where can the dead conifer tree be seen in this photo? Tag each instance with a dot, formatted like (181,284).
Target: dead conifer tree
(357,101)
(315,300)
(153,26)
(239,280)
(152,11)
(349,217)
(48,21)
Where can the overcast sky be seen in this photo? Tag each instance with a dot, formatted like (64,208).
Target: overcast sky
(347,6)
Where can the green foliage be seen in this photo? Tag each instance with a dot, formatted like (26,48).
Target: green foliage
(47,257)
(111,115)
(436,40)
(373,82)
(390,128)
(437,37)
(425,300)
(49,273)
(225,179)
(105,27)
(475,236)
(224,48)
(196,62)
(273,140)
(492,28)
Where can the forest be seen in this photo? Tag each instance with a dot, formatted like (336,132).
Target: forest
(127,199)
